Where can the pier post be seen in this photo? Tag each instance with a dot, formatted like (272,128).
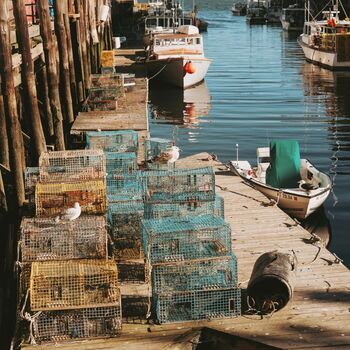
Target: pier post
(28,75)
(51,64)
(4,146)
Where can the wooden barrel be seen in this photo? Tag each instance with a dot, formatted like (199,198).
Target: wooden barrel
(272,281)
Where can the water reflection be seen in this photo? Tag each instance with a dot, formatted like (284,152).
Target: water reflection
(180,107)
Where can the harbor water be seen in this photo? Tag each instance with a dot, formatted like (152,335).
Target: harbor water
(260,88)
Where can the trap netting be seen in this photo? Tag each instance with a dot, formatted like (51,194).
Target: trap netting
(164,210)
(120,164)
(57,285)
(31,178)
(197,305)
(72,166)
(153,148)
(178,239)
(180,185)
(87,323)
(44,239)
(106,80)
(136,272)
(125,229)
(204,274)
(54,199)
(113,141)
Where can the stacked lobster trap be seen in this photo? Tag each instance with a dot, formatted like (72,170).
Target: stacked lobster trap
(153,148)
(188,247)
(68,289)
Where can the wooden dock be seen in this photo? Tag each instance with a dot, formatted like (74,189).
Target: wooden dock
(318,317)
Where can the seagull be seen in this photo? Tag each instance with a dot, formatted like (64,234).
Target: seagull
(69,214)
(170,156)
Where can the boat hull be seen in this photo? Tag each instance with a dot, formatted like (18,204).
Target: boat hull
(171,71)
(290,27)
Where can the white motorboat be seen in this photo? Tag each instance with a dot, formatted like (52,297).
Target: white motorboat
(294,184)
(178,59)
(327,42)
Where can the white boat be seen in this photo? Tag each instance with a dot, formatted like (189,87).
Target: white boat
(310,187)
(326,42)
(178,59)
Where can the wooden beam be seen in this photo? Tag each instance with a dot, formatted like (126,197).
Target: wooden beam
(4,145)
(35,52)
(29,76)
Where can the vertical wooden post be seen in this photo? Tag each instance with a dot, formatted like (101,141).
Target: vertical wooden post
(50,60)
(61,35)
(28,80)
(15,136)
(84,44)
(4,146)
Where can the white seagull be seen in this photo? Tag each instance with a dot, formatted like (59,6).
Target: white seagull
(69,214)
(170,156)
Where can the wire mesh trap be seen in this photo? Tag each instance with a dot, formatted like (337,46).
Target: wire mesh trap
(153,148)
(58,326)
(194,275)
(113,141)
(118,164)
(57,285)
(134,308)
(197,305)
(83,238)
(31,178)
(125,229)
(106,80)
(180,185)
(133,272)
(164,210)
(178,239)
(72,166)
(53,199)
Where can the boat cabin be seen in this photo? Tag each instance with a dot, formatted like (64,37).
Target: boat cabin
(263,162)
(161,23)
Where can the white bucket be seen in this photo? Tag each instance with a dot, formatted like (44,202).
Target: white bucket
(103,13)
(116,41)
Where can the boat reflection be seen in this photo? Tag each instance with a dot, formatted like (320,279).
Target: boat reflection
(180,107)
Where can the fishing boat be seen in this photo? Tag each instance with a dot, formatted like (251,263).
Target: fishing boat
(178,59)
(292,18)
(294,184)
(239,9)
(256,12)
(273,12)
(327,42)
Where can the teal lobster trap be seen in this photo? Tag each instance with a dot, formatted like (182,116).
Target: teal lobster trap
(118,164)
(165,210)
(180,185)
(178,239)
(122,141)
(197,305)
(153,148)
(204,274)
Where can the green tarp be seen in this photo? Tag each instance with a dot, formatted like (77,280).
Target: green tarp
(284,169)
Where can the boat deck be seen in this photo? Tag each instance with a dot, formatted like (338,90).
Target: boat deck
(318,317)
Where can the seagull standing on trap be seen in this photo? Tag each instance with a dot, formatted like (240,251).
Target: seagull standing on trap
(167,157)
(69,214)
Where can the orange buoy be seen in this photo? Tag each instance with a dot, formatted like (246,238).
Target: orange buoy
(189,67)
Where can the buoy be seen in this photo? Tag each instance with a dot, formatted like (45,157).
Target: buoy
(189,67)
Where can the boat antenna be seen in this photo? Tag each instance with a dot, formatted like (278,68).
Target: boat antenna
(237,147)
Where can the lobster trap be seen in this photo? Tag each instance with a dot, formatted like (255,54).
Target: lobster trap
(87,323)
(118,164)
(194,275)
(52,199)
(178,239)
(58,285)
(107,80)
(165,210)
(153,148)
(113,141)
(72,166)
(125,229)
(135,308)
(197,305)
(83,238)
(31,178)
(136,272)
(180,185)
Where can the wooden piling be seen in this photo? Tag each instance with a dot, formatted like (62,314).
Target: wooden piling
(28,75)
(51,59)
(8,88)
(61,35)
(4,146)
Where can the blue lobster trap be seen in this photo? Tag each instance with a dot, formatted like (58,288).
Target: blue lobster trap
(124,221)
(113,141)
(158,211)
(153,148)
(120,164)
(178,239)
(193,275)
(180,185)
(197,305)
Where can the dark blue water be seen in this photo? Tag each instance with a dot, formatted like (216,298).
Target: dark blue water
(260,88)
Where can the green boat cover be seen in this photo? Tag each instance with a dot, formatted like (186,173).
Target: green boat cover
(284,169)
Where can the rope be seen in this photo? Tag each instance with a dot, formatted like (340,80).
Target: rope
(149,266)
(341,4)
(160,71)
(31,318)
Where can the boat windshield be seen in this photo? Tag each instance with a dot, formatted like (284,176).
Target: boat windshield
(181,41)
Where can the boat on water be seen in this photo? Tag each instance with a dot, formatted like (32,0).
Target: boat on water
(294,184)
(256,12)
(239,9)
(292,18)
(327,42)
(178,59)
(273,12)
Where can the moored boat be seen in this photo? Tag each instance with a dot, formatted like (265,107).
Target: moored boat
(178,59)
(294,184)
(292,18)
(239,9)
(256,12)
(327,42)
